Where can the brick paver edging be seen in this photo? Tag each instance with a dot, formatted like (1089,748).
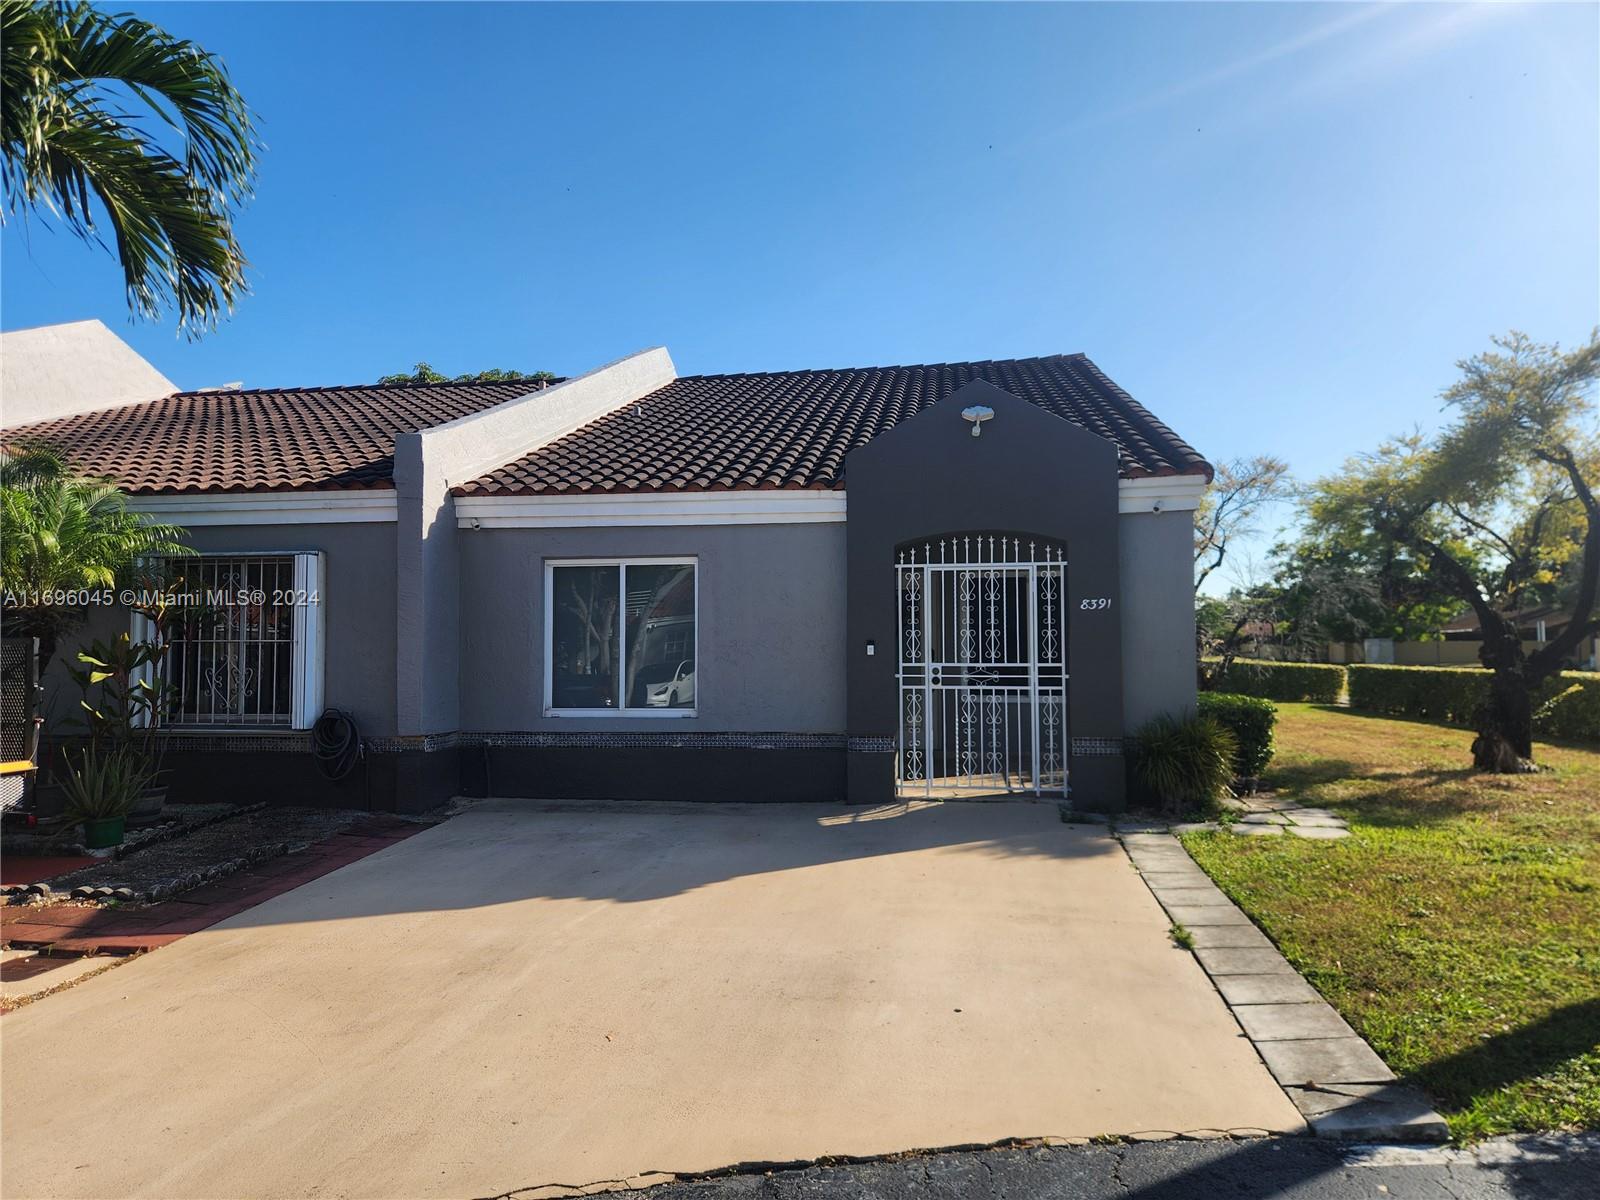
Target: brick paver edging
(82,929)
(1339,1084)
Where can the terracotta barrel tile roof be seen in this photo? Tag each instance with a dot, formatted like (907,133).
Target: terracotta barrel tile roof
(792,429)
(787,429)
(285,439)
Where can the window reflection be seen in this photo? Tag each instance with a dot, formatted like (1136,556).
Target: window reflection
(584,658)
(623,636)
(661,636)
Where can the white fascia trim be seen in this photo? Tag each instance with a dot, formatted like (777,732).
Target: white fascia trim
(811,506)
(1171,493)
(270,508)
(1160,493)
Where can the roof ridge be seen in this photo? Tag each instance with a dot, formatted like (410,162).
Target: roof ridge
(978,362)
(357,387)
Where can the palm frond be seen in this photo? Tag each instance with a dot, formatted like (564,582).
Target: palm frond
(71,151)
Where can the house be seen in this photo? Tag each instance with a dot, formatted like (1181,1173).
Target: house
(963,578)
(1461,639)
(1537,625)
(57,370)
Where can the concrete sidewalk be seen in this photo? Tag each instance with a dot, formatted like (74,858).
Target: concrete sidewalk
(525,996)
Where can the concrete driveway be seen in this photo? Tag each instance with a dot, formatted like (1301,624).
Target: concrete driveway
(529,995)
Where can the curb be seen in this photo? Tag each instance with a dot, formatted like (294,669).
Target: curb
(1329,1073)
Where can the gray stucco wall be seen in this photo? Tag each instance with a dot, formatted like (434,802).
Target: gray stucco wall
(1158,647)
(358,615)
(427,597)
(770,636)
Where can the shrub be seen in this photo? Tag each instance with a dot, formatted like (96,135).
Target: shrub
(1251,719)
(1573,712)
(1565,706)
(1318,683)
(1185,762)
(104,783)
(1450,694)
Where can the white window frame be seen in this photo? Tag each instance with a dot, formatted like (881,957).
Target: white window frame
(655,714)
(307,654)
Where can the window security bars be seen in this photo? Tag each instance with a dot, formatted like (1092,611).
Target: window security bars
(232,660)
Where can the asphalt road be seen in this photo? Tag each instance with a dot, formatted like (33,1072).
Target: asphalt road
(1298,1168)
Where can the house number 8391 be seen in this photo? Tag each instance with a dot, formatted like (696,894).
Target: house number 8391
(1091,603)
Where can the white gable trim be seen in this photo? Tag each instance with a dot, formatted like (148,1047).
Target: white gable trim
(461,450)
(269,508)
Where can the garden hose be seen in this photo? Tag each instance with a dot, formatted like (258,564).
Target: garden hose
(336,742)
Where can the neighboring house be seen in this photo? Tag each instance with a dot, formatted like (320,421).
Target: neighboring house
(1537,626)
(1460,640)
(965,578)
(58,370)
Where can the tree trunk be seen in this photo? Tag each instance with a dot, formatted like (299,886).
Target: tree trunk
(1504,722)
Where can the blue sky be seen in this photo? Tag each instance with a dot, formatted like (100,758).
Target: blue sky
(1277,225)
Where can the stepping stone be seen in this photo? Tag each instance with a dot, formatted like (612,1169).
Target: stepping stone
(1292,1022)
(1316,833)
(1137,840)
(1228,961)
(1154,864)
(1276,988)
(1304,821)
(1142,826)
(1194,877)
(1323,1061)
(1196,915)
(1368,1112)
(1197,827)
(1189,896)
(1230,937)
(1258,830)
(1264,818)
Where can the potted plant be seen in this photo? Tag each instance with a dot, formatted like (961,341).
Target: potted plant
(101,786)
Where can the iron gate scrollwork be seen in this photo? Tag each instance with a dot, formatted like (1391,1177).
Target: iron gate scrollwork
(982,666)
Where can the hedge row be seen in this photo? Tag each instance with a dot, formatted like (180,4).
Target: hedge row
(1566,706)
(1318,683)
(1251,719)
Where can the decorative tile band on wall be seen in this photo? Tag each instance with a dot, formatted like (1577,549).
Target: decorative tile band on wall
(300,742)
(611,741)
(288,742)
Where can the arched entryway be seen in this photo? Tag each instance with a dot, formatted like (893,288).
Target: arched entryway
(982,666)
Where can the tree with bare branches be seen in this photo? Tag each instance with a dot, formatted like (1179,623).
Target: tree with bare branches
(1232,507)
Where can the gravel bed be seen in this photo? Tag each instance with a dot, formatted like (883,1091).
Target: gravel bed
(178,820)
(210,853)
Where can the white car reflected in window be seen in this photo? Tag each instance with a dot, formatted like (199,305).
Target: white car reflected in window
(674,691)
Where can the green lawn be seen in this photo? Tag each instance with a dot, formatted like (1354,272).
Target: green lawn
(1458,929)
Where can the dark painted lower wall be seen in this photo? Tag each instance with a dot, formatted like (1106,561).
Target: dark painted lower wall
(411,781)
(654,773)
(416,780)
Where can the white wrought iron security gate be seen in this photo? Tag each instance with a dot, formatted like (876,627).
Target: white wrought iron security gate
(982,667)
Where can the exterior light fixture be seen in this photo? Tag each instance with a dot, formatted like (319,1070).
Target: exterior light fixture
(977,414)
